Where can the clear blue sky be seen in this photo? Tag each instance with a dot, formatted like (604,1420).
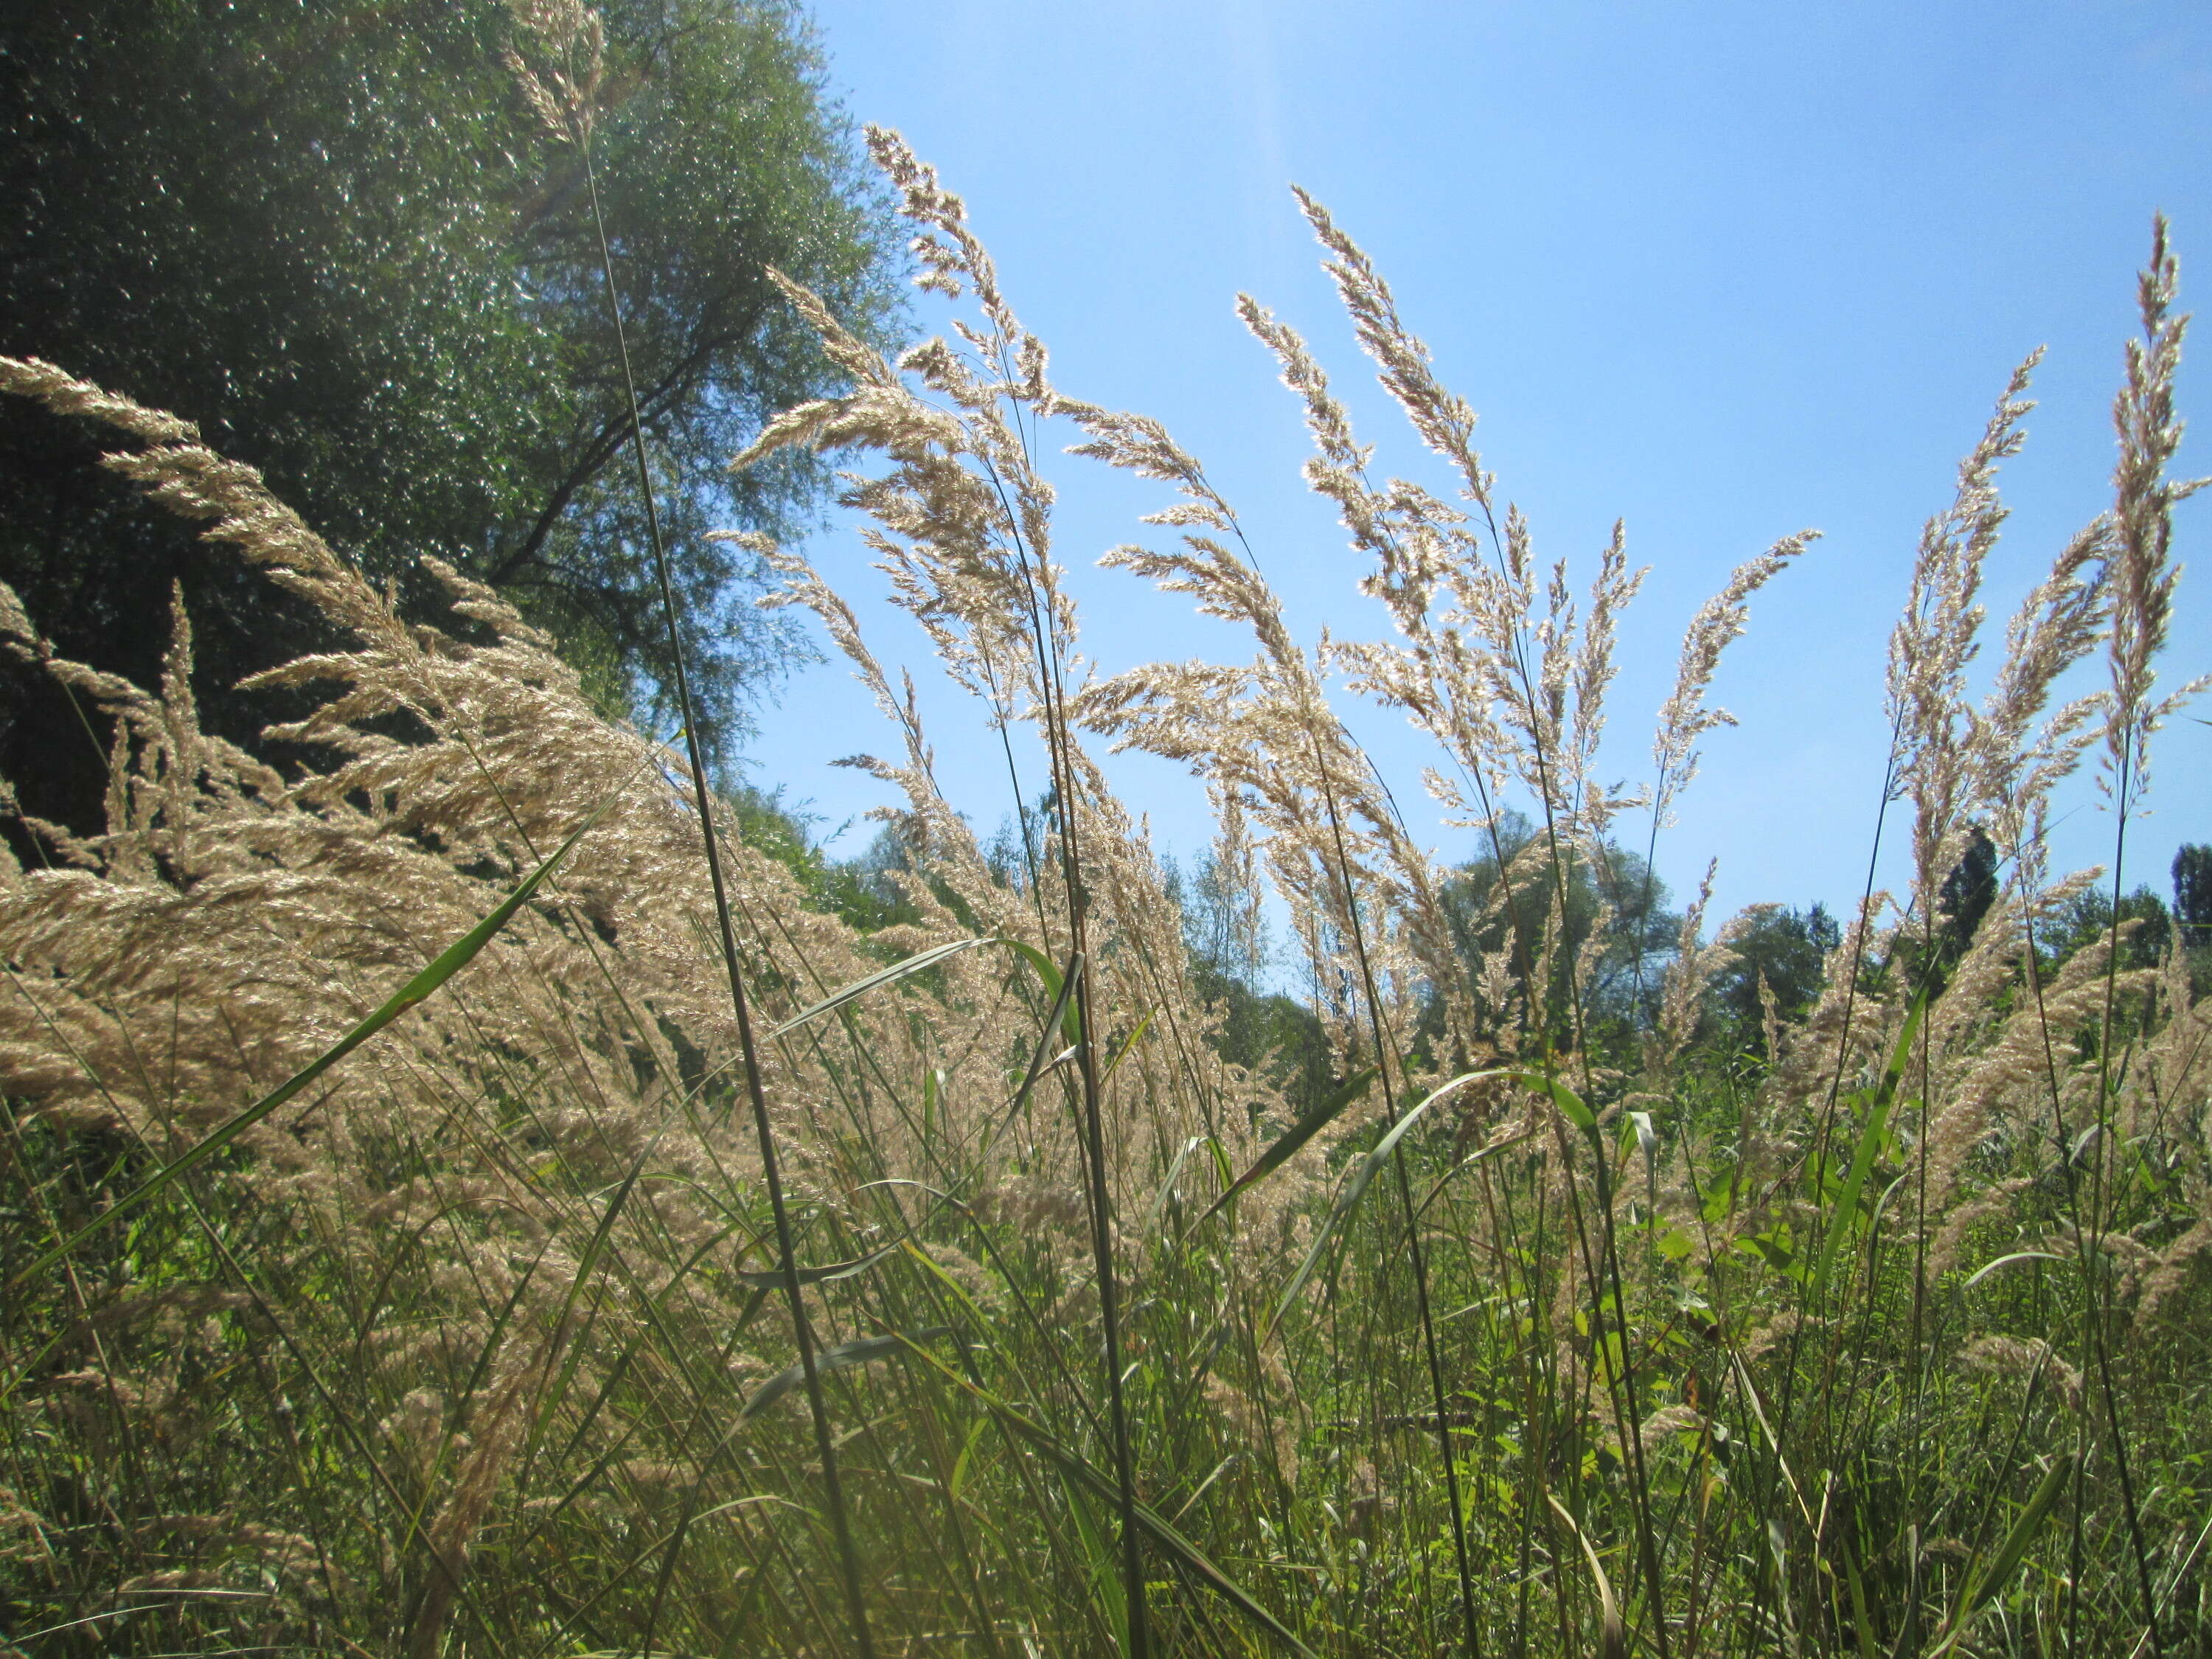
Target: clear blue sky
(1725,271)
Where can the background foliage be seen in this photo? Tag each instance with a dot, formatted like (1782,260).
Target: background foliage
(330,235)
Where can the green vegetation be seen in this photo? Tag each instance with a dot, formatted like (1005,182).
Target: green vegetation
(968,1251)
(332,237)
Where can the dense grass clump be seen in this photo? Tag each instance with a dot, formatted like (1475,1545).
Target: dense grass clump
(962,1256)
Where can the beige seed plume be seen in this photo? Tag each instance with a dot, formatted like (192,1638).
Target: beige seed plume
(1684,717)
(2143,576)
(562,91)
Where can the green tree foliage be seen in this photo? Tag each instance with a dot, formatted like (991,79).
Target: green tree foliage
(1613,898)
(2192,895)
(1785,948)
(1967,893)
(331,235)
(860,889)
(2145,925)
(1928,950)
(1262,1029)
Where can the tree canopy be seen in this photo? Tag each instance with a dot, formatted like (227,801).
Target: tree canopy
(331,236)
(1608,899)
(1784,949)
(2192,894)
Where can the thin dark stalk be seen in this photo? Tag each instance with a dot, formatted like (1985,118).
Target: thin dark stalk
(2076,1541)
(787,1257)
(1824,1134)
(1644,909)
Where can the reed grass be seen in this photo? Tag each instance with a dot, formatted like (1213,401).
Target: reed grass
(679,1264)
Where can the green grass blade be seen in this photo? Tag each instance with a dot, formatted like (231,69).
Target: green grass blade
(1105,1574)
(1128,1043)
(449,961)
(1167,1188)
(892,974)
(2005,1562)
(1862,1625)
(1900,1056)
(1362,1178)
(1279,1153)
(860,1352)
(772,1279)
(1185,1555)
(1613,1635)
(1569,1103)
(1470,1162)
(1983,1273)
(1847,1202)
(1059,984)
(1062,987)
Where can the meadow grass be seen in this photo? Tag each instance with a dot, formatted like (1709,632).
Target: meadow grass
(686,1261)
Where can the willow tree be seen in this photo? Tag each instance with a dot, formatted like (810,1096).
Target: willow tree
(329,233)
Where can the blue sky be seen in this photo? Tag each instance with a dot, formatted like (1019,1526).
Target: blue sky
(1724,270)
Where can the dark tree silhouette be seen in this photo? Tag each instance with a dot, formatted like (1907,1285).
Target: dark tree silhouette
(2192,895)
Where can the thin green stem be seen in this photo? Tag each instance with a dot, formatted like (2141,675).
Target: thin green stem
(786,1258)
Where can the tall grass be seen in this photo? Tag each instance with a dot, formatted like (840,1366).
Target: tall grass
(681,1266)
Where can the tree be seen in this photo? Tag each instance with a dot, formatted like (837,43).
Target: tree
(1962,901)
(2192,895)
(1225,931)
(1612,890)
(2145,924)
(1967,893)
(329,234)
(1786,949)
